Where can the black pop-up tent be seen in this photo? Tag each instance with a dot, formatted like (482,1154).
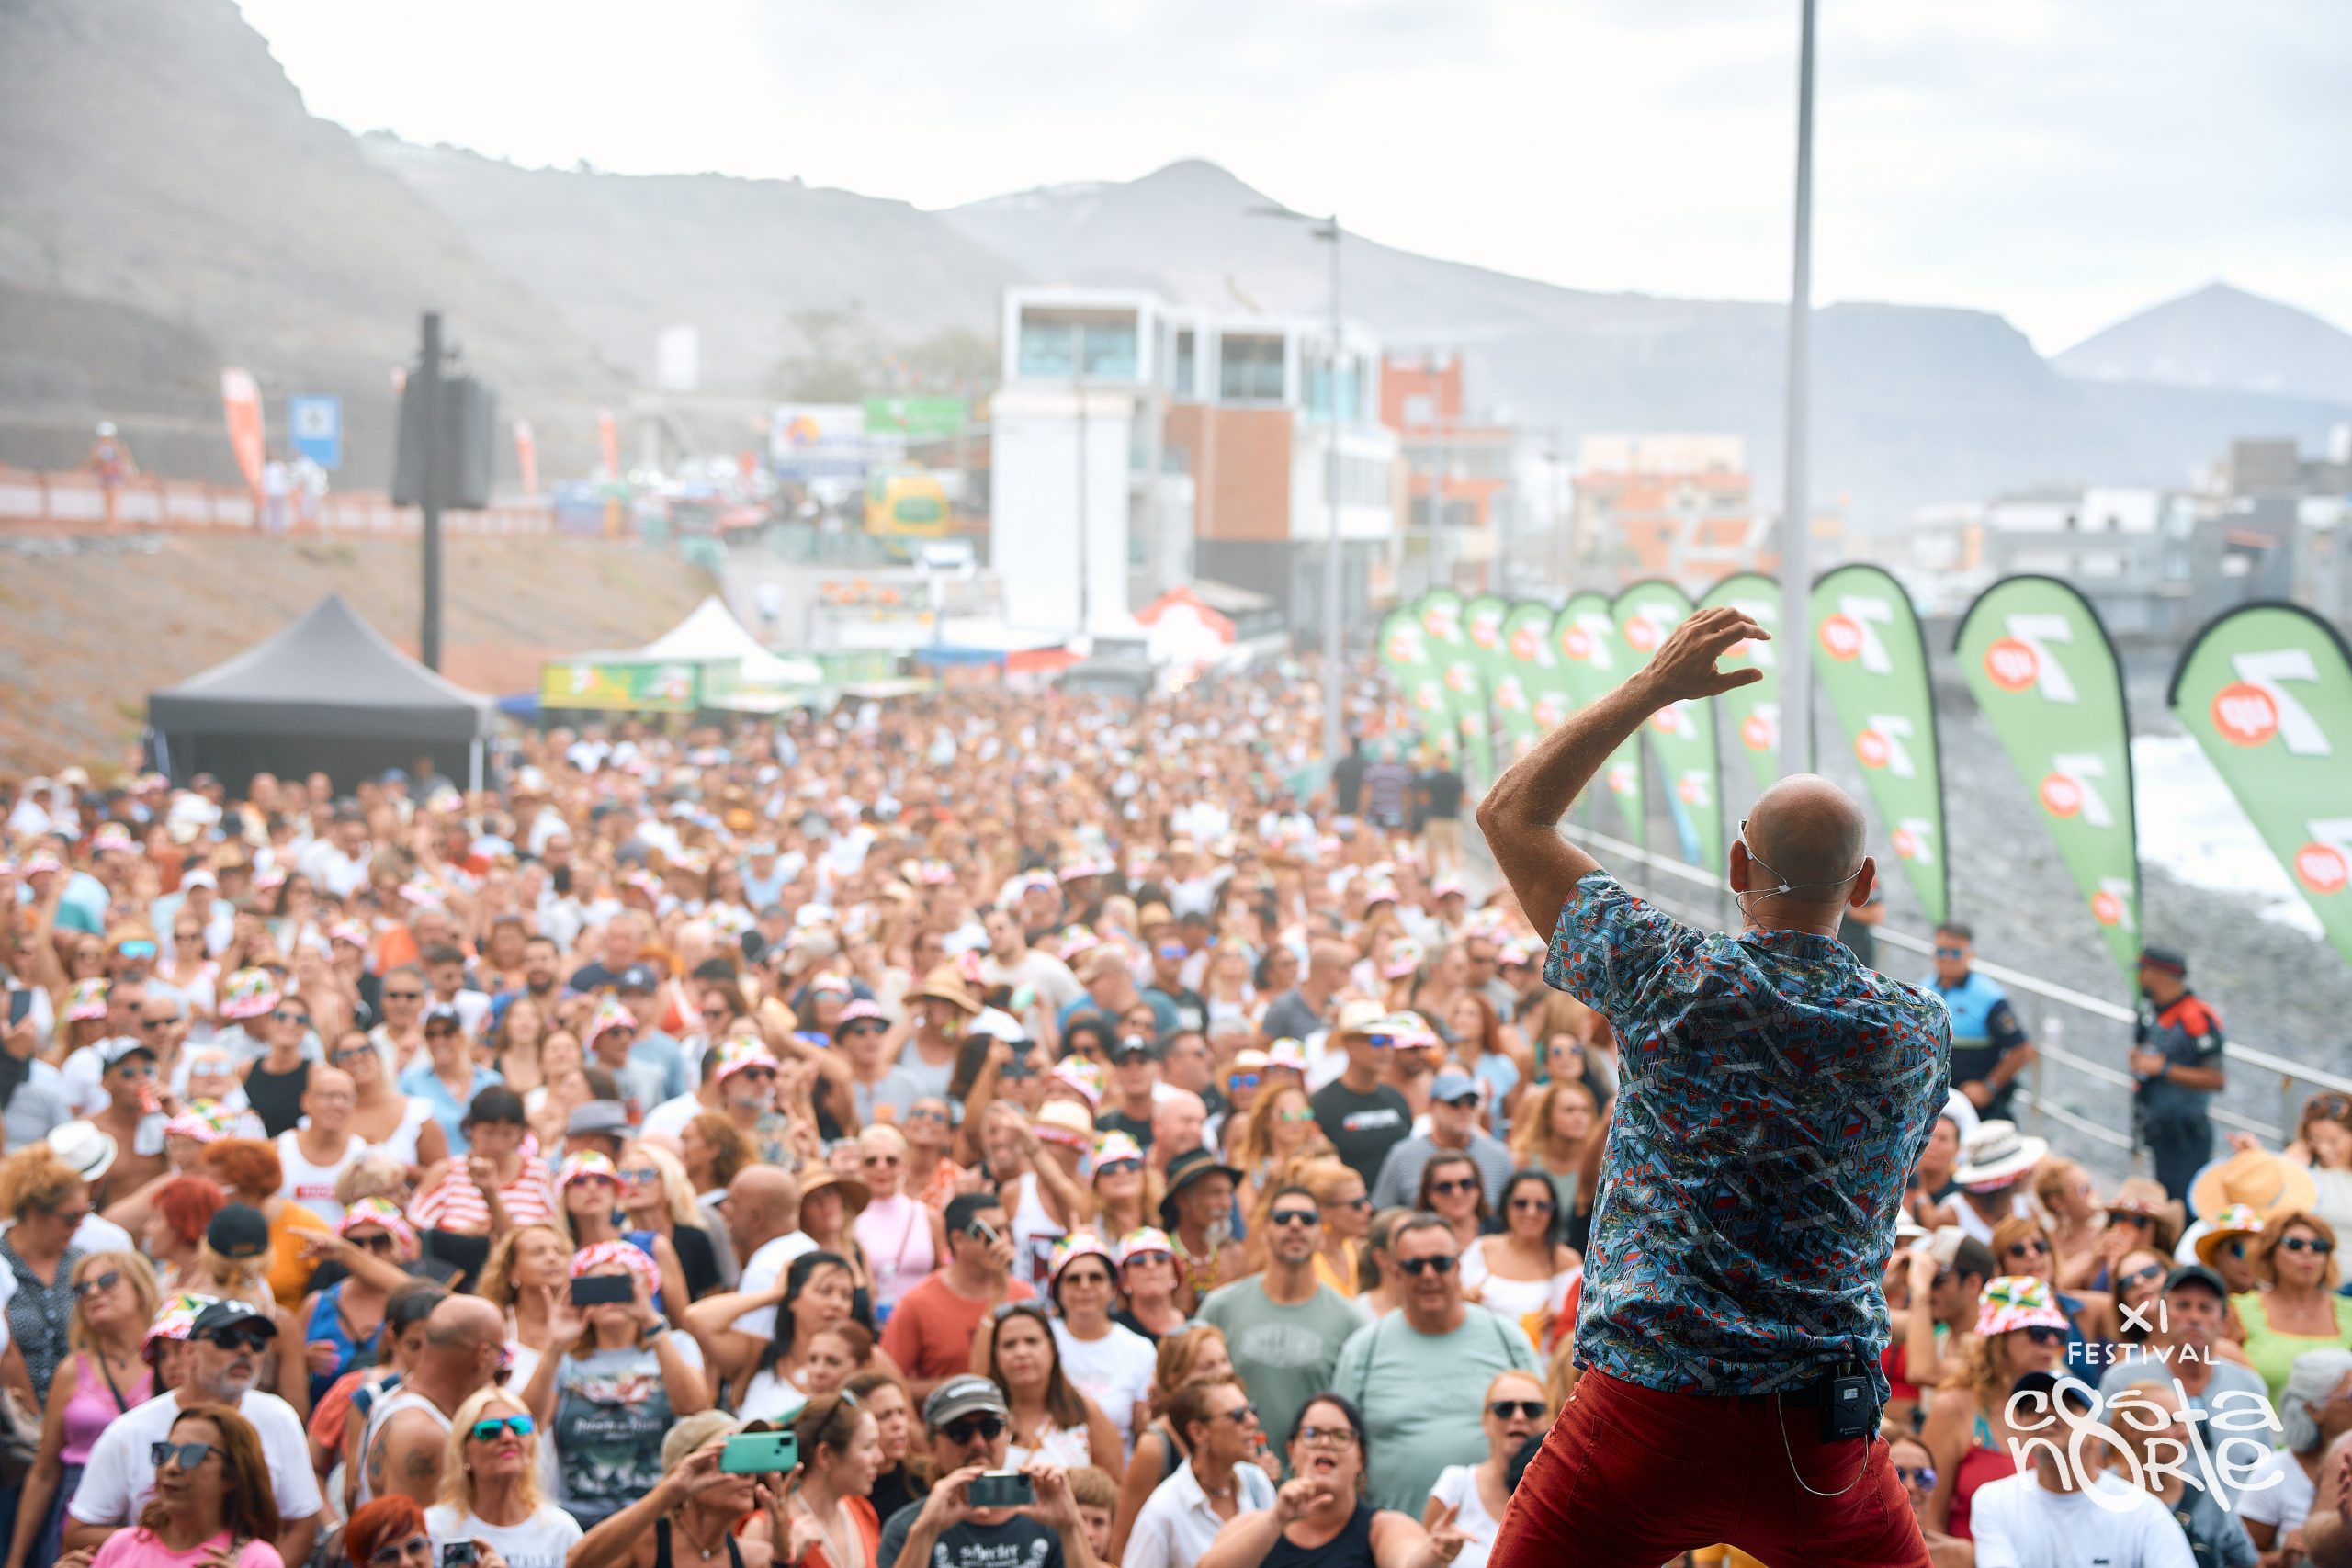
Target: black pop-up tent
(327,694)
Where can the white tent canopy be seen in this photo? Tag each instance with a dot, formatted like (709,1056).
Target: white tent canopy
(713,636)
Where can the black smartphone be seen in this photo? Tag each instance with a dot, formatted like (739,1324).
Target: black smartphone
(20,1007)
(603,1290)
(457,1554)
(1001,1489)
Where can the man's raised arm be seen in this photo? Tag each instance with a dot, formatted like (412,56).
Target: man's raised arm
(1520,816)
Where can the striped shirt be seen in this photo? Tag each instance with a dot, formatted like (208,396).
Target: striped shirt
(454,1204)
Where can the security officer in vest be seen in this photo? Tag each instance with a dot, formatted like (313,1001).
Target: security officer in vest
(2176,1057)
(1989,1049)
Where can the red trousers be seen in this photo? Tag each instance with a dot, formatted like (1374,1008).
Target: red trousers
(1630,1477)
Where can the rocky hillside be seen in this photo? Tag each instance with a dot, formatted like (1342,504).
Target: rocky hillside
(77,687)
(159,159)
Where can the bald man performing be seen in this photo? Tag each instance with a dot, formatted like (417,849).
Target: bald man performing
(1775,1095)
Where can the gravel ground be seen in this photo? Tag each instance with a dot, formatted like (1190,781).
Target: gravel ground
(2275,988)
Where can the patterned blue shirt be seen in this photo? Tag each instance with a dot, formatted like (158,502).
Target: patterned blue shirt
(1775,1095)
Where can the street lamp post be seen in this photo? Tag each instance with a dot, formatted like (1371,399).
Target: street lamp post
(1796,530)
(1334,678)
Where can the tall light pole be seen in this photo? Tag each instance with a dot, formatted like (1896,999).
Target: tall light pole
(1796,530)
(1334,678)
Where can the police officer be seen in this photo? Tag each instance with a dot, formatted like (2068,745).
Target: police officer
(1989,1048)
(2176,1057)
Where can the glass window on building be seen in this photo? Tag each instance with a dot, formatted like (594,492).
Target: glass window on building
(1049,345)
(1111,350)
(1184,356)
(1249,367)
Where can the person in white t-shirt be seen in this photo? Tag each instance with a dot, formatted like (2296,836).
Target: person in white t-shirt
(2044,1518)
(762,1208)
(314,1154)
(489,1486)
(224,1359)
(1517,1409)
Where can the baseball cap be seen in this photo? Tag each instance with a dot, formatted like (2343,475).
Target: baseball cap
(2196,1274)
(122,1048)
(607,1118)
(638,977)
(223,1315)
(1450,1086)
(2165,958)
(1131,1046)
(2055,1386)
(965,1395)
(238,1230)
(1357,1018)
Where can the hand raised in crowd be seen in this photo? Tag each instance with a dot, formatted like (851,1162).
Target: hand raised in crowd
(1300,1493)
(1684,668)
(1054,1507)
(1447,1538)
(948,1502)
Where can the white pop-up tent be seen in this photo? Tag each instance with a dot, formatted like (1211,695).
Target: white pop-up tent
(710,660)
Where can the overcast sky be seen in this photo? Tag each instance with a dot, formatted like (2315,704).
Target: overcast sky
(2064,162)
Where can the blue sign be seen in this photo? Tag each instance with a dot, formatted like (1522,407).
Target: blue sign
(315,424)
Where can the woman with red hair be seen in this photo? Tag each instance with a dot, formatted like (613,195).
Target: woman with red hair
(172,1235)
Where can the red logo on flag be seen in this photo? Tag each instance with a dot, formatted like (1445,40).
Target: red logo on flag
(2061,797)
(2244,713)
(2321,868)
(2106,907)
(1871,749)
(1841,637)
(2012,664)
(1755,733)
(1641,635)
(1577,643)
(1906,844)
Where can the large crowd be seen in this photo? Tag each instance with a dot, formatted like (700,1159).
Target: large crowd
(1001,1082)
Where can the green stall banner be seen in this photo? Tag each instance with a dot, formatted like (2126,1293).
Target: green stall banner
(621,685)
(1405,653)
(1683,734)
(1482,622)
(1595,660)
(1872,662)
(1542,690)
(1753,711)
(2039,661)
(2266,689)
(1464,682)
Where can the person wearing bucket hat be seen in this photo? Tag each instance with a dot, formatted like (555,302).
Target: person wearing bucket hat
(2226,1246)
(2177,1045)
(2017,1329)
(1110,1364)
(1197,1211)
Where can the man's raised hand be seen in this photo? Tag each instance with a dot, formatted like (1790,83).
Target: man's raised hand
(1684,668)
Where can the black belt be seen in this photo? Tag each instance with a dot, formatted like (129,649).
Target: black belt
(1813,1395)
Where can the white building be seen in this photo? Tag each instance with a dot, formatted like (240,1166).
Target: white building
(1139,446)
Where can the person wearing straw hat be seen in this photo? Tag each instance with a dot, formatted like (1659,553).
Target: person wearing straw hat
(938,1008)
(1993,1163)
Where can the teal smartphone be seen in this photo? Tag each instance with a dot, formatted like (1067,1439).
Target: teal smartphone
(760,1453)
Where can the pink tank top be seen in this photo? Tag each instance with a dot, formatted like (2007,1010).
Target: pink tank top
(896,1235)
(92,1407)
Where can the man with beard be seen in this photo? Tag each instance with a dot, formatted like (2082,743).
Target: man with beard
(223,1361)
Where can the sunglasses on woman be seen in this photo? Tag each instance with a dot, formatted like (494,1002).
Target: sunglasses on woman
(1919,1474)
(1448,1188)
(492,1427)
(1504,1409)
(1294,1117)
(415,1546)
(1242,1080)
(2140,1276)
(188,1455)
(96,1282)
(2042,1334)
(1117,1166)
(640,1175)
(381,1243)
(1534,1205)
(2033,1247)
(2307,1244)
